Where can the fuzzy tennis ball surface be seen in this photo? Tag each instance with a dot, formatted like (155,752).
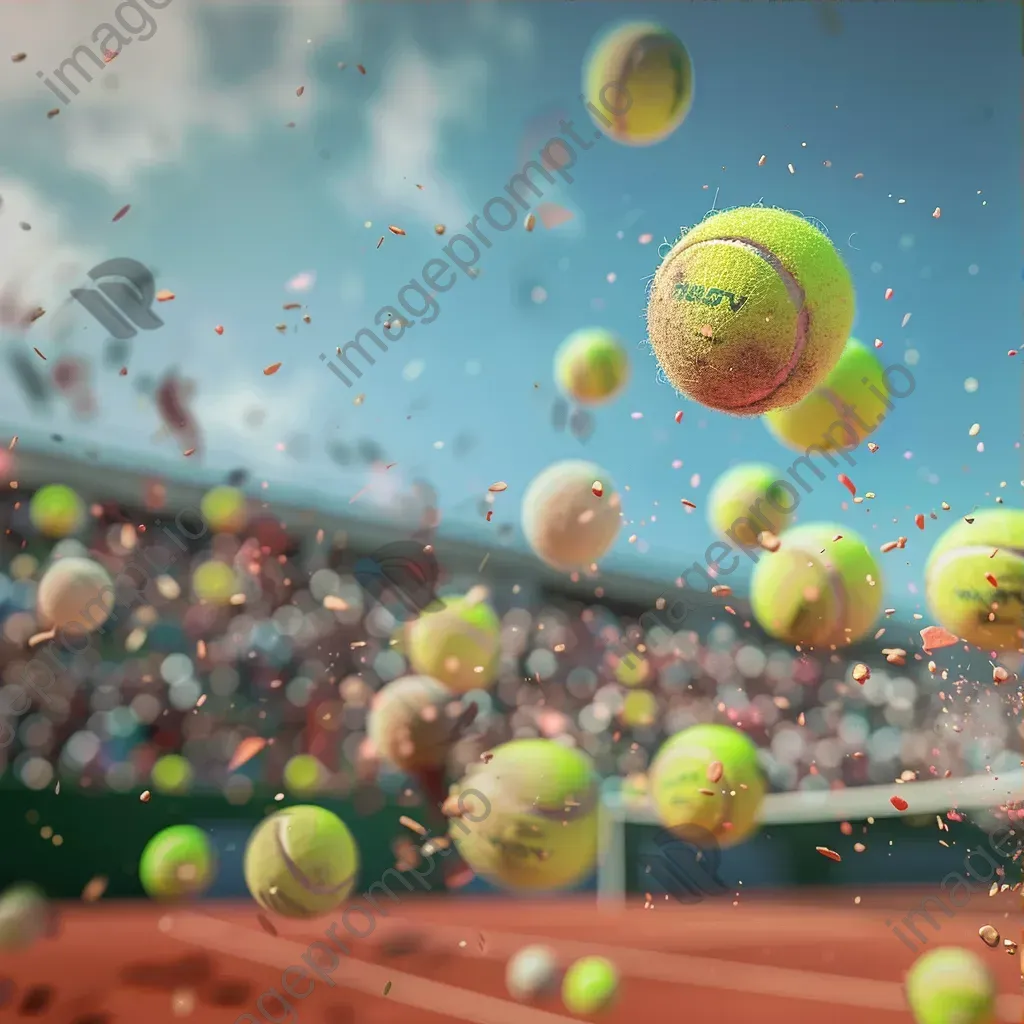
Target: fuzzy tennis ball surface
(816,590)
(591,366)
(459,643)
(301,862)
(532,974)
(76,595)
(950,985)
(707,779)
(177,863)
(962,598)
(747,500)
(567,524)
(56,511)
(591,985)
(638,82)
(844,410)
(529,818)
(412,722)
(750,310)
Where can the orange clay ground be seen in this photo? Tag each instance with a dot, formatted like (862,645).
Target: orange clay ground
(798,961)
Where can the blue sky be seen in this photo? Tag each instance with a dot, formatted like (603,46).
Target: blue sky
(229,205)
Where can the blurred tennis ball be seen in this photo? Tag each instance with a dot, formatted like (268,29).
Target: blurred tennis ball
(532,973)
(24,916)
(569,522)
(171,773)
(214,582)
(590,985)
(736,504)
(632,670)
(750,310)
(412,722)
(224,509)
(816,590)
(304,775)
(301,862)
(591,366)
(950,985)
(75,595)
(842,411)
(706,781)
(177,863)
(530,816)
(459,644)
(974,579)
(638,83)
(56,511)
(639,709)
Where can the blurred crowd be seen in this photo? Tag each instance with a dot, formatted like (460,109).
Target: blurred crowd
(284,663)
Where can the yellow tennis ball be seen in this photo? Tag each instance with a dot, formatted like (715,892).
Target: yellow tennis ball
(590,985)
(224,509)
(171,773)
(844,410)
(301,862)
(633,670)
(177,863)
(591,366)
(529,816)
(986,612)
(639,708)
(303,775)
(412,722)
(638,82)
(706,781)
(950,985)
(75,595)
(750,310)
(569,522)
(214,582)
(816,590)
(458,644)
(747,500)
(56,511)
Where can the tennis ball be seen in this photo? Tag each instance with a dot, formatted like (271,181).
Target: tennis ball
(301,862)
(990,615)
(591,366)
(177,863)
(24,916)
(412,722)
(171,773)
(738,497)
(532,974)
(638,82)
(848,405)
(75,595)
(816,590)
(224,509)
(529,818)
(950,985)
(750,310)
(706,781)
(303,775)
(591,985)
(56,511)
(567,523)
(214,582)
(459,644)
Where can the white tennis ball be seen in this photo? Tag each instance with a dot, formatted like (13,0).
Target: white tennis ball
(75,594)
(532,974)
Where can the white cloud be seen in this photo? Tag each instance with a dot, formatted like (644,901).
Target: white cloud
(147,105)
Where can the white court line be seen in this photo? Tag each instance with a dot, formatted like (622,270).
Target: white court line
(407,989)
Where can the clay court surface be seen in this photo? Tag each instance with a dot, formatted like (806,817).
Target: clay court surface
(778,962)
